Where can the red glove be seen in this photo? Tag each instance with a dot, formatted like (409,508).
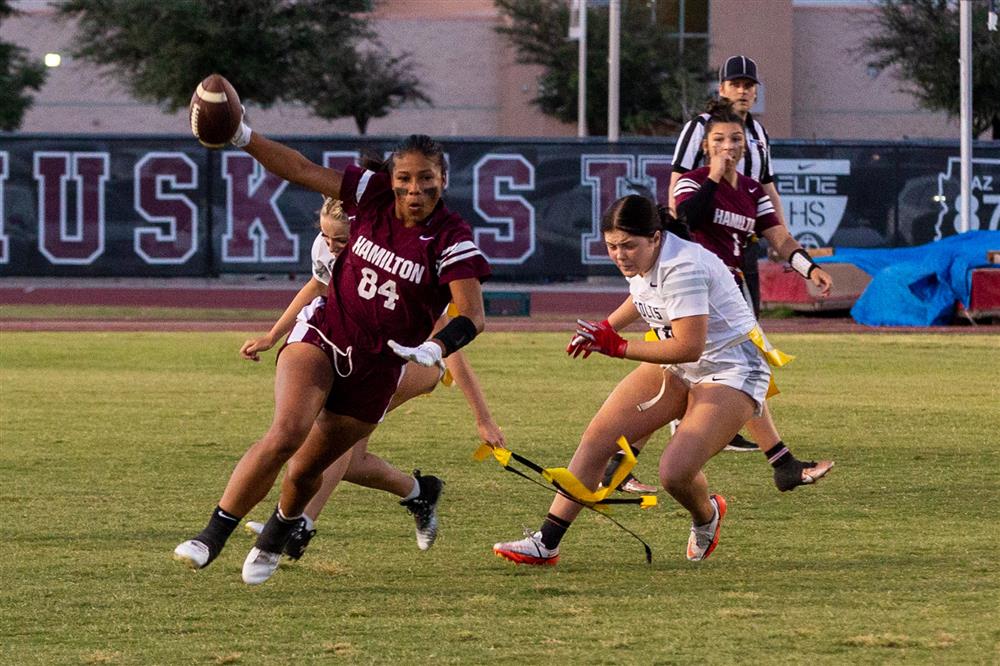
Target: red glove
(578,345)
(602,338)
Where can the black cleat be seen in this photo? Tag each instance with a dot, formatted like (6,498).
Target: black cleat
(424,509)
(741,444)
(795,473)
(298,540)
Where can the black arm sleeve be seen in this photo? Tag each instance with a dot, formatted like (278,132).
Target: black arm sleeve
(459,332)
(698,209)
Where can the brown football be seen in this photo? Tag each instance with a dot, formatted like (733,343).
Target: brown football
(215,111)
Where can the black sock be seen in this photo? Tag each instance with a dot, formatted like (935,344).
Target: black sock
(553,529)
(216,533)
(276,531)
(779,455)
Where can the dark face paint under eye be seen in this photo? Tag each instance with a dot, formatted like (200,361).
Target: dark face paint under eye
(400,192)
(432,193)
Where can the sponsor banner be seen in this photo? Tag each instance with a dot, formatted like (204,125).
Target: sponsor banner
(813,197)
(984,203)
(162,207)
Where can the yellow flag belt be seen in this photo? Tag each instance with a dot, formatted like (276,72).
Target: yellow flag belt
(570,487)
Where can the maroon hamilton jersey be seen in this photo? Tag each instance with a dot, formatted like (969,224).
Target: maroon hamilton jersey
(736,213)
(391,282)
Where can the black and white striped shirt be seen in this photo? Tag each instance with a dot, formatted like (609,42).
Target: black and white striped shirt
(756,160)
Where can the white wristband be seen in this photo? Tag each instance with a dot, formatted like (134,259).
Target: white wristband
(242,136)
(802,263)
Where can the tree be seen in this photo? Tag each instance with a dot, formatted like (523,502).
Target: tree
(17,74)
(374,82)
(919,39)
(660,85)
(272,50)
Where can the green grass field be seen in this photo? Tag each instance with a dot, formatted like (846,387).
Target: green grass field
(115,447)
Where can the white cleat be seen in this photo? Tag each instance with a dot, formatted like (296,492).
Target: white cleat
(259,566)
(529,550)
(704,538)
(253,527)
(193,554)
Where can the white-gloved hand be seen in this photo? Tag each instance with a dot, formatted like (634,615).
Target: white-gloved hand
(243,132)
(426,353)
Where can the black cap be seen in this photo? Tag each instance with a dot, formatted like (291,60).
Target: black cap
(738,67)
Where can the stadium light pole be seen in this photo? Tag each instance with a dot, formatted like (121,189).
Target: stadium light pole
(965,112)
(614,63)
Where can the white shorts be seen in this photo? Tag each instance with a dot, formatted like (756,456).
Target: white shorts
(742,366)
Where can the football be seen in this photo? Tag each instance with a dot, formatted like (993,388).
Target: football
(215,111)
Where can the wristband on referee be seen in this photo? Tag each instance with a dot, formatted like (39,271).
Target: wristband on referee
(802,263)
(459,332)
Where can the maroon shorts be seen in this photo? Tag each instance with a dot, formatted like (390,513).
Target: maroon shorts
(363,383)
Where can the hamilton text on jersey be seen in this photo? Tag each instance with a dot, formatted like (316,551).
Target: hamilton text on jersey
(388,260)
(734,220)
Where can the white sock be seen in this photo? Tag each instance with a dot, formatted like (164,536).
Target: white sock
(415,492)
(309,522)
(287,519)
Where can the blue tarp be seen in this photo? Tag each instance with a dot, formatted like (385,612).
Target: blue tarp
(917,286)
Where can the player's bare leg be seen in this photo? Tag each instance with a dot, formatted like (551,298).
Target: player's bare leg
(302,380)
(715,413)
(617,416)
(363,468)
(631,483)
(332,477)
(366,469)
(331,437)
(789,472)
(369,470)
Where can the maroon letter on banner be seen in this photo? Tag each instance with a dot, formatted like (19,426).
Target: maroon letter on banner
(173,237)
(255,228)
(514,241)
(57,241)
(4,238)
(340,159)
(607,178)
(657,174)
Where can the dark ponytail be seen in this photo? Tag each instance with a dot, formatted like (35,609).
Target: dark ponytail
(669,223)
(721,111)
(372,161)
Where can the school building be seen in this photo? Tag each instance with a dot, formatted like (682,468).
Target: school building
(815,84)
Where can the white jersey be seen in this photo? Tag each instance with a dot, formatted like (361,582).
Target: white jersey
(322,260)
(689,280)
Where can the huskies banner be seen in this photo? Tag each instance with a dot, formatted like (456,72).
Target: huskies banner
(166,207)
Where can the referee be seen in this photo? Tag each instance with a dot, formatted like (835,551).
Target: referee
(738,83)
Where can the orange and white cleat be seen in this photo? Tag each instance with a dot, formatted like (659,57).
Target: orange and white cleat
(704,538)
(529,550)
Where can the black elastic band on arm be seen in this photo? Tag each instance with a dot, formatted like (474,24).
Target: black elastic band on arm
(459,332)
(697,210)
